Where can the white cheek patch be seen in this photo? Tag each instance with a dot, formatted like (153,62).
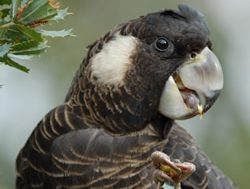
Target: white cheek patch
(110,65)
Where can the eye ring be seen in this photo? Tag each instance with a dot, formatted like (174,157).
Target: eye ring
(193,54)
(161,44)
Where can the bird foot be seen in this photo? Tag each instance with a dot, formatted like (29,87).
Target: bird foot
(168,171)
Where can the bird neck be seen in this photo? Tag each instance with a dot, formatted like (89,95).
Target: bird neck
(119,110)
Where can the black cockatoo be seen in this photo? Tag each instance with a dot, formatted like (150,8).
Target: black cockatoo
(118,119)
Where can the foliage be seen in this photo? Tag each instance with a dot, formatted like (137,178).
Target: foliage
(21,35)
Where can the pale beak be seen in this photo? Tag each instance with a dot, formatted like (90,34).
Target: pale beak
(193,88)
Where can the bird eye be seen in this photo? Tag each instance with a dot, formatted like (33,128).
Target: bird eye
(193,54)
(161,44)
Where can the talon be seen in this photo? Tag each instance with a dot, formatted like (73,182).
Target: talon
(161,177)
(187,169)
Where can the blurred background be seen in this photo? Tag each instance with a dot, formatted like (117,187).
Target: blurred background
(223,133)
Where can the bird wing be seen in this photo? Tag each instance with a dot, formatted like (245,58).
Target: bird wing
(85,157)
(181,146)
(92,158)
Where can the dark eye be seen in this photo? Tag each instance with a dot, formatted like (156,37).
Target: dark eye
(161,44)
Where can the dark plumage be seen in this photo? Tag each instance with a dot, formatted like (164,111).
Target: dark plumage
(108,127)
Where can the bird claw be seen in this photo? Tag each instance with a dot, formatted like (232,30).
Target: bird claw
(168,171)
(161,177)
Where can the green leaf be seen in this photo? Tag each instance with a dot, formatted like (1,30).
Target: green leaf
(14,7)
(4,49)
(5,2)
(6,60)
(20,37)
(25,45)
(60,33)
(23,2)
(30,33)
(4,34)
(4,13)
(19,57)
(19,33)
(37,11)
(29,48)
(3,37)
(61,14)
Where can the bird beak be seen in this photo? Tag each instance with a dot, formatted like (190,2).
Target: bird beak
(193,88)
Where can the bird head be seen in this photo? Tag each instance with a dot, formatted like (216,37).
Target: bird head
(158,63)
